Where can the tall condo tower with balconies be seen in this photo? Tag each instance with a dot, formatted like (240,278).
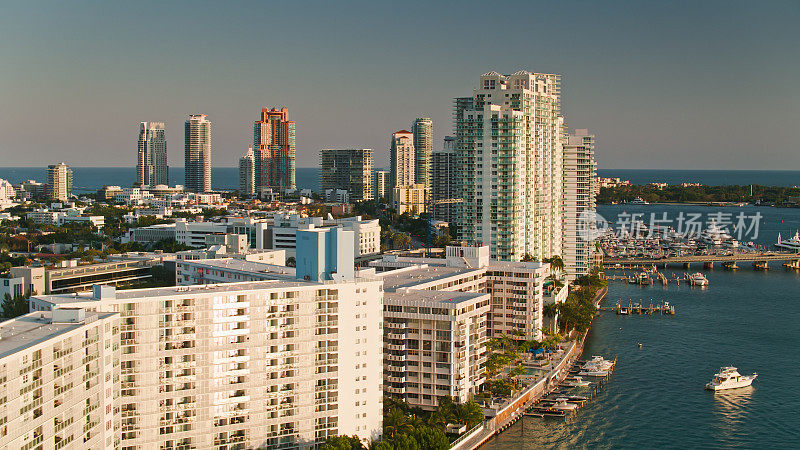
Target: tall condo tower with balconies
(401,160)
(273,144)
(151,166)
(197,165)
(509,154)
(422,128)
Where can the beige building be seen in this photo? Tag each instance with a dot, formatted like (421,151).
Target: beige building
(60,377)
(401,159)
(59,182)
(438,314)
(410,199)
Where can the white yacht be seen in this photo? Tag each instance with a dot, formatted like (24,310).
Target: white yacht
(792,244)
(697,279)
(577,382)
(562,404)
(638,201)
(730,378)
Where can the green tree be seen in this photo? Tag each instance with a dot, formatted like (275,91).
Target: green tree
(14,307)
(431,438)
(404,442)
(527,257)
(291,262)
(343,443)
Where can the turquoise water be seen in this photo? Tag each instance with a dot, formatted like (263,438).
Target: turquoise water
(655,398)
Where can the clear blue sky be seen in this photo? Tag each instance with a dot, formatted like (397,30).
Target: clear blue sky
(696,84)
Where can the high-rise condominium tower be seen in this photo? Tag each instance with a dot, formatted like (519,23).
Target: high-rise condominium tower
(401,160)
(509,153)
(247,178)
(273,143)
(59,182)
(380,181)
(198,153)
(442,180)
(349,169)
(580,176)
(422,128)
(151,168)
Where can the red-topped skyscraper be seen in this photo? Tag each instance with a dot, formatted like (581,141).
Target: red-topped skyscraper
(273,145)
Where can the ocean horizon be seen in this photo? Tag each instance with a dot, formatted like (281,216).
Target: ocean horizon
(87,179)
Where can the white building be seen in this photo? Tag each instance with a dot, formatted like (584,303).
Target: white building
(580,173)
(60,374)
(247,174)
(197,153)
(59,182)
(281,233)
(285,362)
(509,150)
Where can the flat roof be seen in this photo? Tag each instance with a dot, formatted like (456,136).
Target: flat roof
(449,298)
(28,330)
(269,271)
(411,277)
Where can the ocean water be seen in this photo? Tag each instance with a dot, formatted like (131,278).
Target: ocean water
(784,178)
(655,399)
(90,179)
(227,178)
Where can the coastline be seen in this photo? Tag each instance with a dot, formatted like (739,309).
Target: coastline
(516,407)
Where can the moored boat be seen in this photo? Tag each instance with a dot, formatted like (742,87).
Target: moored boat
(730,378)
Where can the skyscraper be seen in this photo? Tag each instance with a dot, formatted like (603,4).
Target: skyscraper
(273,143)
(401,160)
(59,182)
(442,180)
(197,166)
(422,128)
(509,156)
(247,178)
(151,168)
(580,173)
(349,169)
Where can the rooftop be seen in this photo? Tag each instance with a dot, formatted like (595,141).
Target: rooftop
(449,298)
(269,271)
(28,330)
(416,275)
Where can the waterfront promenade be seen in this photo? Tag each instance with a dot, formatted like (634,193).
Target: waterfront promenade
(516,407)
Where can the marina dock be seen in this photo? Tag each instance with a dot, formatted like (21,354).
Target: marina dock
(660,309)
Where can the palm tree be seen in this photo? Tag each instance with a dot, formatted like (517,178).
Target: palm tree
(550,310)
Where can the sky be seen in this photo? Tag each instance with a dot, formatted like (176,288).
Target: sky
(672,85)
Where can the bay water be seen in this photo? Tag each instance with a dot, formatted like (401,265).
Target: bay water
(655,398)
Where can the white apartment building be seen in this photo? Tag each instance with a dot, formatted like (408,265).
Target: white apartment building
(580,178)
(509,151)
(247,175)
(281,363)
(434,345)
(380,184)
(60,377)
